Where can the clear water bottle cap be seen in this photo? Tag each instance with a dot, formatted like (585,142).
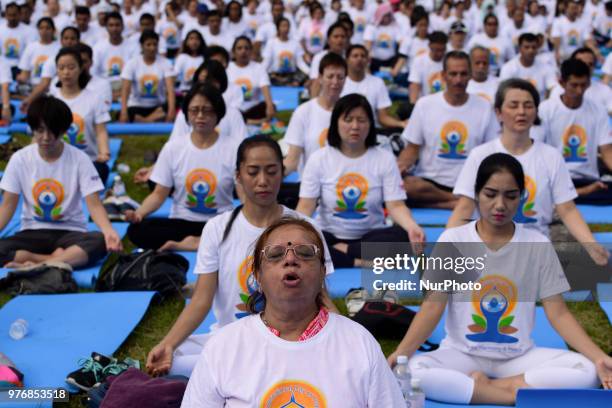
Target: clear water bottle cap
(402,359)
(415,382)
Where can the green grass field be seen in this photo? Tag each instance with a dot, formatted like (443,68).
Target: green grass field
(160,317)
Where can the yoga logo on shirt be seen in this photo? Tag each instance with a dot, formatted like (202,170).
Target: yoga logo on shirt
(75,135)
(574,144)
(572,38)
(188,77)
(352,191)
(435,82)
(484,95)
(48,196)
(493,305)
(323,137)
(360,24)
(286,61)
(248,285)
(148,85)
(384,41)
(38,65)
(493,56)
(421,52)
(453,139)
(247,88)
(170,36)
(11,48)
(293,394)
(115,65)
(201,185)
(316,39)
(525,212)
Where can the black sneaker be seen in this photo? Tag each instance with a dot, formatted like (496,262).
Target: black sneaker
(90,373)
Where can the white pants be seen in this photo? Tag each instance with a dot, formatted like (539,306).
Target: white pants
(444,373)
(186,355)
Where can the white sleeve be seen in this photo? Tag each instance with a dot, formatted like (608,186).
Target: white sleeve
(467,177)
(383,100)
(180,127)
(167,69)
(369,34)
(297,128)
(264,78)
(89,180)
(129,71)
(207,260)
(551,277)
(505,71)
(415,72)
(102,114)
(202,390)
(413,133)
(162,170)
(178,66)
(393,187)
(47,69)
(383,389)
(310,186)
(562,186)
(492,129)
(268,56)
(556,31)
(604,137)
(10,179)
(550,78)
(25,62)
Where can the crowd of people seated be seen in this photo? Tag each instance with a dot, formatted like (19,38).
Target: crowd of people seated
(496,110)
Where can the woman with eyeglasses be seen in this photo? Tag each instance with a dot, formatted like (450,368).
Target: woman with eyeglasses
(291,351)
(224,267)
(351,179)
(200,170)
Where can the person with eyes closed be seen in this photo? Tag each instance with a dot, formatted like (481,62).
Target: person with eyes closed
(225,279)
(488,353)
(548,183)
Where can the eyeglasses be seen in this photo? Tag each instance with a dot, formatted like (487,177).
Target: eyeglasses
(276,253)
(205,111)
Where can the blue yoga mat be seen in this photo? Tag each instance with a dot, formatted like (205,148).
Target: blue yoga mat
(4,139)
(114,145)
(292,177)
(578,296)
(596,214)
(433,233)
(343,279)
(164,210)
(191,257)
(18,116)
(286,97)
(139,128)
(205,326)
(65,328)
(604,295)
(430,216)
(530,398)
(603,237)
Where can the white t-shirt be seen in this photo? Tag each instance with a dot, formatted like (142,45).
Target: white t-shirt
(547,182)
(271,372)
(35,56)
(307,129)
(540,75)
(92,35)
(5,73)
(191,26)
(572,34)
(253,21)
(231,125)
(234,29)
(233,96)
(315,63)
(203,179)
(170,33)
(52,192)
(607,66)
(486,89)
(313,35)
(148,81)
(184,68)
(447,141)
(222,39)
(500,50)
(13,42)
(373,88)
(524,270)
(427,73)
(88,110)
(231,259)
(251,79)
(384,40)
(361,19)
(351,190)
(414,47)
(109,60)
(283,57)
(576,133)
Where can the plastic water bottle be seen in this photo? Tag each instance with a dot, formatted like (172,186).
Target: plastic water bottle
(118,187)
(416,399)
(402,373)
(18,329)
(123,168)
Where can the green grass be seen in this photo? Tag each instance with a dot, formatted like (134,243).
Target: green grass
(160,317)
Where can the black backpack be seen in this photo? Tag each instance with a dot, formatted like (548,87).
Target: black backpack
(163,272)
(47,278)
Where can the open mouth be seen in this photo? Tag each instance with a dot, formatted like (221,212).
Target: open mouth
(291,280)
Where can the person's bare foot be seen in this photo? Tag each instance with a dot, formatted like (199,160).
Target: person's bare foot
(16,265)
(342,247)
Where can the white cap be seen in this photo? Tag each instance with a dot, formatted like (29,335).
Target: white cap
(415,382)
(402,359)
